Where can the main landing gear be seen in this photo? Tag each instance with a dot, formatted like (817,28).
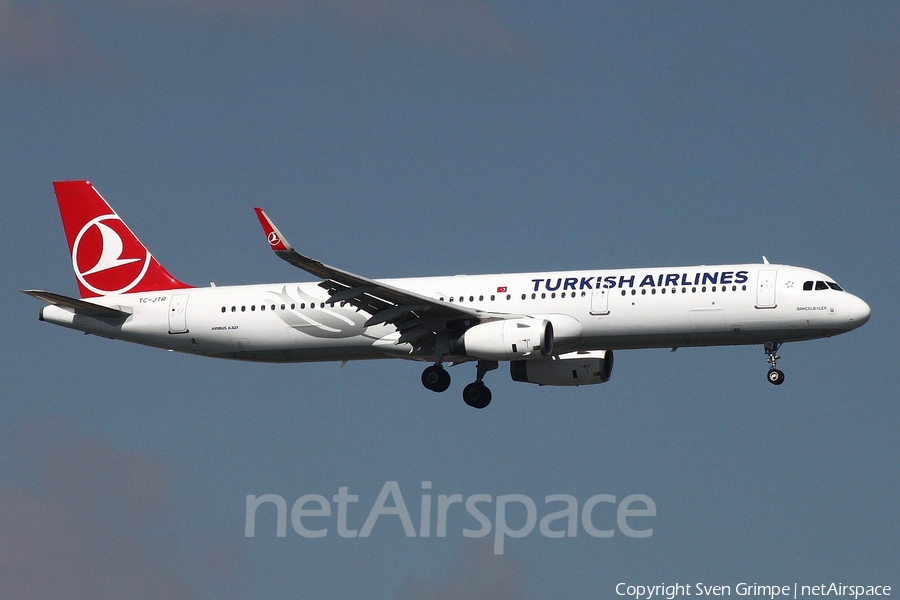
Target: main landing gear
(436,378)
(775,376)
(476,394)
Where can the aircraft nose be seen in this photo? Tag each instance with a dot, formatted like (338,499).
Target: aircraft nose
(858,312)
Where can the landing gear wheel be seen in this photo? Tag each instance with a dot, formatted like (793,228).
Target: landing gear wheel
(435,378)
(477,395)
(775,377)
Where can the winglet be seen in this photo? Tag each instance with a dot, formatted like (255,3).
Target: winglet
(276,240)
(286,252)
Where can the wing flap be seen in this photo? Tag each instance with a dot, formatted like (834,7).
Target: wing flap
(415,333)
(349,293)
(387,315)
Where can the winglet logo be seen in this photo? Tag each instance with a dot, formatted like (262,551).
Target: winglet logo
(273,239)
(107,257)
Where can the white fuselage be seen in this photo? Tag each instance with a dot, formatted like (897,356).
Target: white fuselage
(590,310)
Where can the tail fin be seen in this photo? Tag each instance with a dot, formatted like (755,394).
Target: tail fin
(107,257)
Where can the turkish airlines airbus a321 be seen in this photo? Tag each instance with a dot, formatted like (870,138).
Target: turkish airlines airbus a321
(554,328)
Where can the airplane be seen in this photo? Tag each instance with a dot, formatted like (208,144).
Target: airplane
(553,328)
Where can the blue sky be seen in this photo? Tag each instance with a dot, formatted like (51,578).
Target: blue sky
(428,138)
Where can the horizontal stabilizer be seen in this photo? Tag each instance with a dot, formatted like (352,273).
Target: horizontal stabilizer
(81,307)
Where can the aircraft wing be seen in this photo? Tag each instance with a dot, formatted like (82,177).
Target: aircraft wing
(418,318)
(80,307)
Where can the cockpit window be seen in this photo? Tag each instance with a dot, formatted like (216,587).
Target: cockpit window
(821,285)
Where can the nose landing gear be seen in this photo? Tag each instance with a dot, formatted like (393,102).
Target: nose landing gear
(775,376)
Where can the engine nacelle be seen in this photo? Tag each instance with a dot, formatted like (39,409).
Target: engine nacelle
(567,330)
(509,339)
(574,368)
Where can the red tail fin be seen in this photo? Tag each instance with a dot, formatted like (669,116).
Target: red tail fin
(107,257)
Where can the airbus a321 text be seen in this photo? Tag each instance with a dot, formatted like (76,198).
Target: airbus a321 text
(554,328)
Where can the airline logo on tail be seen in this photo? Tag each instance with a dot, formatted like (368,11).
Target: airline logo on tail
(107,257)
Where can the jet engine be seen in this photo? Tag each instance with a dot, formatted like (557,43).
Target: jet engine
(509,339)
(574,368)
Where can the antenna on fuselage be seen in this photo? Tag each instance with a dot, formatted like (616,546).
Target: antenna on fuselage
(765,260)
